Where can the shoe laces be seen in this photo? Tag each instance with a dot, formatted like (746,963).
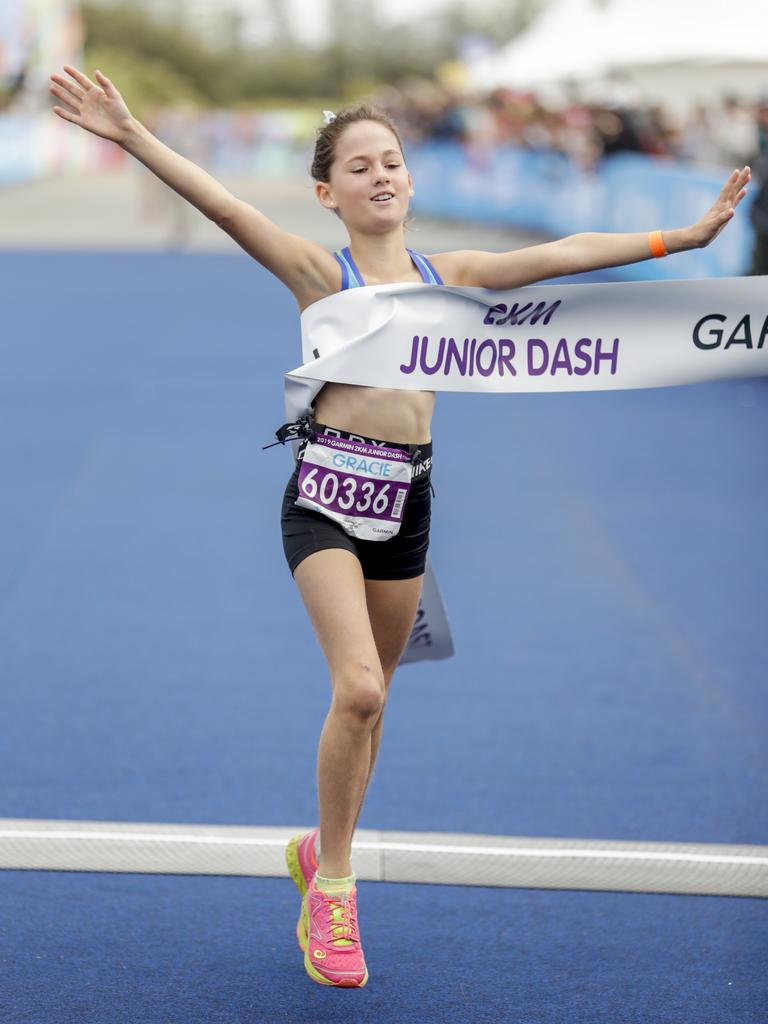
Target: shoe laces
(341,918)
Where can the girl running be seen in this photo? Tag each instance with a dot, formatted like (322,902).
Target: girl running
(361,595)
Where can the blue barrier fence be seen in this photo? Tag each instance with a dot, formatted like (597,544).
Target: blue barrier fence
(545,191)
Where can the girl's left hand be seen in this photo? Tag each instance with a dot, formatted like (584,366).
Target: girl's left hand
(712,223)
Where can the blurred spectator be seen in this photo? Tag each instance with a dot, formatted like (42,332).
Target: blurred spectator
(697,139)
(759,210)
(183,129)
(734,127)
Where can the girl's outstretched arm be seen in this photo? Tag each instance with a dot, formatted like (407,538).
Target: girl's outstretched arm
(100,109)
(592,250)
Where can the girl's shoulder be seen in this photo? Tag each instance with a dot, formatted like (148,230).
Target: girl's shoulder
(449,265)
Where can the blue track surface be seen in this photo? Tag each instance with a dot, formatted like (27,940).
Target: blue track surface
(608,609)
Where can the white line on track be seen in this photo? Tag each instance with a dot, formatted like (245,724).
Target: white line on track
(480,851)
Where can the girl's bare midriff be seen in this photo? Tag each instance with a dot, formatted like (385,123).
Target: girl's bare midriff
(386,414)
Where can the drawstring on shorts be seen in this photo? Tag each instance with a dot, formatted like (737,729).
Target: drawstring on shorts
(284,433)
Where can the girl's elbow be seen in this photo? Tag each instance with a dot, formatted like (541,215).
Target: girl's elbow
(224,214)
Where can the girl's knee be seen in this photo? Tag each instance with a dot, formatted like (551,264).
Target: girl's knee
(360,690)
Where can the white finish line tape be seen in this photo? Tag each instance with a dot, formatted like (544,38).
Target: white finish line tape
(551,338)
(432,858)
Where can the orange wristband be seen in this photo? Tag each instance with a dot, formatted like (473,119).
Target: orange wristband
(656,242)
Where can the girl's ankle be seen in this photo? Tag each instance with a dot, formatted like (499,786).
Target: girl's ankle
(329,871)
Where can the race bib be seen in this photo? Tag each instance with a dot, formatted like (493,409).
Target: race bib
(360,486)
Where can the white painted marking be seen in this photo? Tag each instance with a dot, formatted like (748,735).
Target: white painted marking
(434,848)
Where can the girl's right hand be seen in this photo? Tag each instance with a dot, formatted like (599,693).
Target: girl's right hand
(97,108)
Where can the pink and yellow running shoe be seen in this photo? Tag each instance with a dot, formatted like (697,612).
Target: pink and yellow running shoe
(301,859)
(334,954)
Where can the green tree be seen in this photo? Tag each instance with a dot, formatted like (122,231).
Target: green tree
(154,60)
(143,81)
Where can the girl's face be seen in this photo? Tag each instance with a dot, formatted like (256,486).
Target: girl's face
(367,163)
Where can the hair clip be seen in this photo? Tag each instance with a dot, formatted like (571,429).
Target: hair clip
(329,116)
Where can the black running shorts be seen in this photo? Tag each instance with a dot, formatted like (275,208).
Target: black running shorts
(399,558)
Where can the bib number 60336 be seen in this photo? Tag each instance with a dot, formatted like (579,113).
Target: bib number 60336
(328,491)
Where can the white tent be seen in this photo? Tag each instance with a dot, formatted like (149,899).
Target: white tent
(677,52)
(665,31)
(560,44)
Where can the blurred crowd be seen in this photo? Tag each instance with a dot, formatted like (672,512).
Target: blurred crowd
(732,132)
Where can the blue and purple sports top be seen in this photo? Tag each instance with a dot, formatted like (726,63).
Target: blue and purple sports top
(352,278)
